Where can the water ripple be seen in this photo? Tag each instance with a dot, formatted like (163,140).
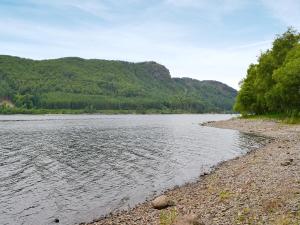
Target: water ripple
(79,167)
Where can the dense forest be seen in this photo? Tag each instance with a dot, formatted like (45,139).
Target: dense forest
(272,86)
(92,85)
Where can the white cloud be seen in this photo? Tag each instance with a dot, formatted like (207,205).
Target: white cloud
(216,5)
(288,11)
(213,11)
(186,3)
(224,64)
(94,7)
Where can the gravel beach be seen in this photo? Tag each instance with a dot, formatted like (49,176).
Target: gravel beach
(261,187)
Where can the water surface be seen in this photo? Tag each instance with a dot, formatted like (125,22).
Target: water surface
(79,167)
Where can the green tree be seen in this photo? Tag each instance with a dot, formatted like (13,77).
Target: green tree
(272,85)
(285,95)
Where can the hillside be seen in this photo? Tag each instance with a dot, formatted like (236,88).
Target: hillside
(76,83)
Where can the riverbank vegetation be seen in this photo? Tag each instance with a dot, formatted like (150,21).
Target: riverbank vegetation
(35,111)
(76,85)
(272,86)
(283,118)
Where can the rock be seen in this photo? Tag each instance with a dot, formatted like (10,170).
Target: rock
(287,162)
(162,202)
(56,220)
(190,219)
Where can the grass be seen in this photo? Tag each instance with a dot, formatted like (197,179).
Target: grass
(293,118)
(285,220)
(272,205)
(168,217)
(224,195)
(245,217)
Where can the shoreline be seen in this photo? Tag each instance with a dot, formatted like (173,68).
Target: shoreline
(260,187)
(111,112)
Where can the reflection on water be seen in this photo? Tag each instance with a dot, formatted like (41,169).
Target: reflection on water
(77,168)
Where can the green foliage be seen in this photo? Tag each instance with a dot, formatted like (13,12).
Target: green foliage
(273,84)
(224,195)
(168,217)
(5,90)
(98,85)
(293,118)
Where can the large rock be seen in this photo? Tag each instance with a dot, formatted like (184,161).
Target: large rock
(190,219)
(162,202)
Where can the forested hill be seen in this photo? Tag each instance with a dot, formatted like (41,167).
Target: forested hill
(76,83)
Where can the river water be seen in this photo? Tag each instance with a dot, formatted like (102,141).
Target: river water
(79,167)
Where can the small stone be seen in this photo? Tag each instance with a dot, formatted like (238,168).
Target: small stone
(287,163)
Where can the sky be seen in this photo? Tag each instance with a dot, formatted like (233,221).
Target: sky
(201,39)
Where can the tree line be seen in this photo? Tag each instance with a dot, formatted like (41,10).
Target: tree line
(272,85)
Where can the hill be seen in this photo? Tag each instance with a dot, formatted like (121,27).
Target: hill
(76,83)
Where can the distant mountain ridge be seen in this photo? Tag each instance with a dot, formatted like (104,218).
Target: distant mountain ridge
(76,83)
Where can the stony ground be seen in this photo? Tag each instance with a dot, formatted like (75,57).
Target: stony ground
(262,187)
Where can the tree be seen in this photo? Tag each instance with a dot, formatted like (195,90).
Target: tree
(272,85)
(285,95)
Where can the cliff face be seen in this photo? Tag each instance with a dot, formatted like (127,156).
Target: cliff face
(155,70)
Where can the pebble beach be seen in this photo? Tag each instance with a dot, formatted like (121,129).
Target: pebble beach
(261,187)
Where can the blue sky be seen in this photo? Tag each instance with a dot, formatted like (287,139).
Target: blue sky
(202,39)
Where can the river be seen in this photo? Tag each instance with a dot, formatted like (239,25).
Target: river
(79,167)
